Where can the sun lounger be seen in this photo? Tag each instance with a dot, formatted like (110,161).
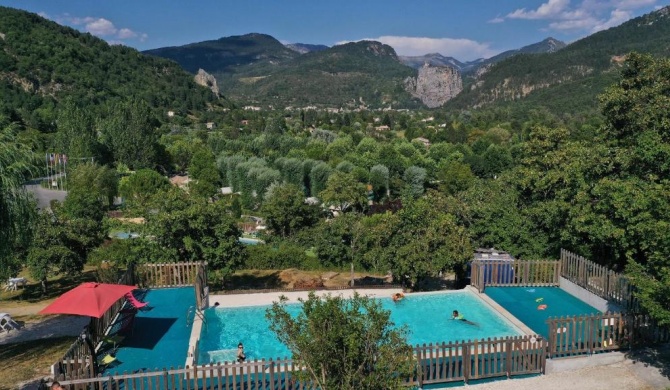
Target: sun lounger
(134,302)
(108,361)
(13,283)
(7,323)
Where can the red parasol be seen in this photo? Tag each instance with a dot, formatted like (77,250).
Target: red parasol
(88,299)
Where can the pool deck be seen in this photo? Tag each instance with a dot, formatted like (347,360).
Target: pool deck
(501,310)
(264,299)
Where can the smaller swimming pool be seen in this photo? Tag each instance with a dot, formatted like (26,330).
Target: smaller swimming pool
(125,235)
(534,305)
(428,317)
(159,336)
(250,241)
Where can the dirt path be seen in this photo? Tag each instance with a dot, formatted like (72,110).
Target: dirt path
(35,326)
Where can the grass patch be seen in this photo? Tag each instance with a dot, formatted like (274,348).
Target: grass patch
(56,286)
(30,360)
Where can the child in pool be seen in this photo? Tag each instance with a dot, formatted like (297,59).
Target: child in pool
(457,316)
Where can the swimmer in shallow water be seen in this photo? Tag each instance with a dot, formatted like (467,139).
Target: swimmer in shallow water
(457,316)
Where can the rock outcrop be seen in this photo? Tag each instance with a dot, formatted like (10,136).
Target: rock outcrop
(435,85)
(207,80)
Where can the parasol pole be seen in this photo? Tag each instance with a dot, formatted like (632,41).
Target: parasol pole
(87,339)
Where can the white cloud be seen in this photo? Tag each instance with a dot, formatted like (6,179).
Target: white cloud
(616,18)
(99,27)
(549,10)
(497,19)
(586,15)
(126,33)
(462,49)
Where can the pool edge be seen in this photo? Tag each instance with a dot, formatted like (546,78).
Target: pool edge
(521,327)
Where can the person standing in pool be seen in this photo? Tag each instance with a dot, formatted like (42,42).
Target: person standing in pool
(241,357)
(457,316)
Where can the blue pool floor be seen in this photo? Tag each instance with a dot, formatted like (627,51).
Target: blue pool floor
(159,336)
(534,305)
(427,316)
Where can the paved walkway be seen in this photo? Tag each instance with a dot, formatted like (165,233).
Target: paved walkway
(50,327)
(262,299)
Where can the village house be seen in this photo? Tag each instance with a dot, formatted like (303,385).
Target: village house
(424,141)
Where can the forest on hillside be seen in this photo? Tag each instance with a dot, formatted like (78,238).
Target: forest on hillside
(382,198)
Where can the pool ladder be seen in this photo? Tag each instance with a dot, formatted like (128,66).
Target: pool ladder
(196,312)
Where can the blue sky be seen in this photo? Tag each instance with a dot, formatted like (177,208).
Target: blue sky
(464,29)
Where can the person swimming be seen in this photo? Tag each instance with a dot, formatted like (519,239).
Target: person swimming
(397,296)
(241,356)
(455,315)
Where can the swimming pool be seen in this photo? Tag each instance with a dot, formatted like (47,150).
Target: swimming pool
(159,336)
(534,305)
(427,315)
(250,241)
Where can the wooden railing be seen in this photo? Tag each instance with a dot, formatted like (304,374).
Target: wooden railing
(603,332)
(440,363)
(514,273)
(167,275)
(479,359)
(76,362)
(598,279)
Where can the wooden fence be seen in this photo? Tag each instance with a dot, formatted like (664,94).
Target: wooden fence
(582,335)
(514,273)
(598,279)
(168,275)
(77,361)
(440,363)
(479,359)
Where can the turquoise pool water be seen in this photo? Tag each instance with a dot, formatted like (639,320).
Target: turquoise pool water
(524,304)
(159,336)
(428,317)
(250,241)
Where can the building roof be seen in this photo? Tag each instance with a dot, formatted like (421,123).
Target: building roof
(485,254)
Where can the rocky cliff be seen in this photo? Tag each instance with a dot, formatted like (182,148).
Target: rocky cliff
(435,85)
(207,80)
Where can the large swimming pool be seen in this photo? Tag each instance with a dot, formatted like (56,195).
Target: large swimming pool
(428,317)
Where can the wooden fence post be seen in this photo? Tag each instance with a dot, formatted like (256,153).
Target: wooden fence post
(508,356)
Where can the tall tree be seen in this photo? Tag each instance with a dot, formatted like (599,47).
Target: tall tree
(428,241)
(98,179)
(17,207)
(285,209)
(634,201)
(139,187)
(76,136)
(344,344)
(129,132)
(343,191)
(197,230)
(202,170)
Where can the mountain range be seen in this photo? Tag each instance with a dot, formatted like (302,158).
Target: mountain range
(548,45)
(259,69)
(42,64)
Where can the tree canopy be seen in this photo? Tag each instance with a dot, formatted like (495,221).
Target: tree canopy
(344,343)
